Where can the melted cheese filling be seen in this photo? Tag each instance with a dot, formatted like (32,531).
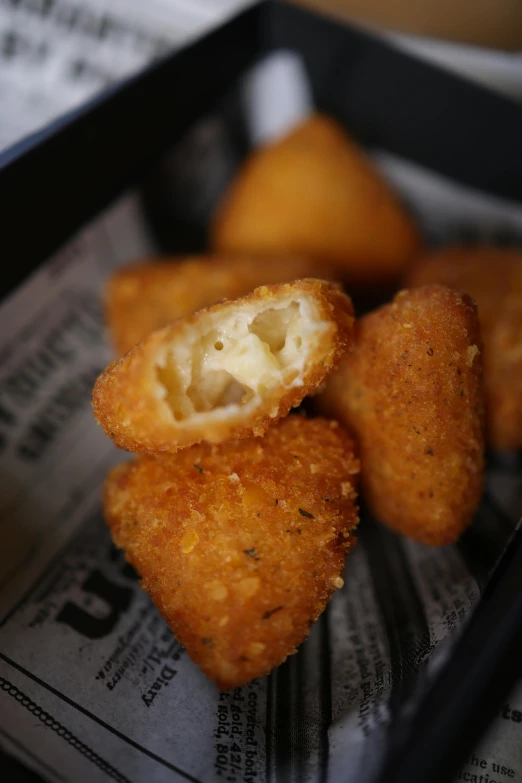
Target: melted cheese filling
(231,361)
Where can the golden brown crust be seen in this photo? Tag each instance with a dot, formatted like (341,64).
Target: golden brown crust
(315,193)
(493,277)
(128,405)
(240,545)
(411,389)
(143,297)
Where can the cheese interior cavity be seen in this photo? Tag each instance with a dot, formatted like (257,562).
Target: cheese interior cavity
(232,360)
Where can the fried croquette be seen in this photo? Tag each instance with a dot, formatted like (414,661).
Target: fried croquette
(315,193)
(240,545)
(493,277)
(226,372)
(410,387)
(141,298)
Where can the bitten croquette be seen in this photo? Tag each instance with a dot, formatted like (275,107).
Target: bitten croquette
(143,297)
(226,372)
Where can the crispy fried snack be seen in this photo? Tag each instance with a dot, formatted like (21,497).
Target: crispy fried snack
(493,277)
(226,372)
(141,298)
(240,545)
(411,389)
(315,193)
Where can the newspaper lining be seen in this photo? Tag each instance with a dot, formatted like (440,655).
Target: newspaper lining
(54,54)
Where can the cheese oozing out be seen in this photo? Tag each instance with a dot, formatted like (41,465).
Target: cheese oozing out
(228,361)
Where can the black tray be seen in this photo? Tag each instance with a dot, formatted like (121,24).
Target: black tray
(57,180)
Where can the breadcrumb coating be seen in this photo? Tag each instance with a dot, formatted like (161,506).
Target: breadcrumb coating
(411,389)
(240,545)
(493,277)
(226,372)
(315,193)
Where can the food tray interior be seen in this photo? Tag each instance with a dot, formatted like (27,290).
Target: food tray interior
(179,132)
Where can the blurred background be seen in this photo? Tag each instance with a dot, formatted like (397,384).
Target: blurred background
(55,54)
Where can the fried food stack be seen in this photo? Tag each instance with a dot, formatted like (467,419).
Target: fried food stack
(240,540)
(238,516)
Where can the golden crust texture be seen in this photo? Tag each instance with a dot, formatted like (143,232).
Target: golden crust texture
(240,545)
(226,372)
(411,389)
(315,193)
(493,277)
(143,297)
